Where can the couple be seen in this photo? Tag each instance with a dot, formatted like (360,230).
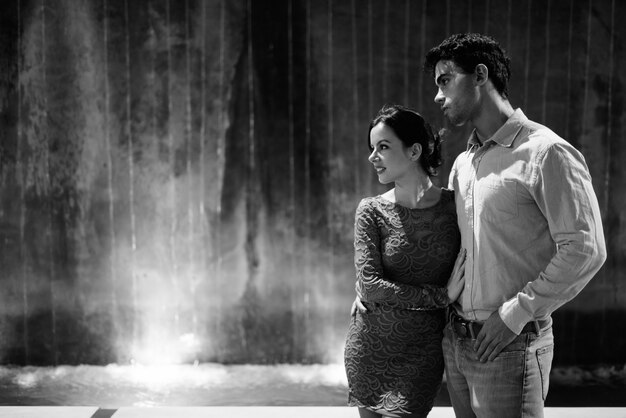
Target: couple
(522,216)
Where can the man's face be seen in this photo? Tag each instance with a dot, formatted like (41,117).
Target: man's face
(457,93)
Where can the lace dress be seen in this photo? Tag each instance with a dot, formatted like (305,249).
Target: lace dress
(403,258)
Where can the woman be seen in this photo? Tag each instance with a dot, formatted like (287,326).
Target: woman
(406,243)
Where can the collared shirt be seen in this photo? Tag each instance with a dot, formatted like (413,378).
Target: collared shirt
(530,222)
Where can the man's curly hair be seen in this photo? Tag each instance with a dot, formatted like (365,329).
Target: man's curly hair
(468,50)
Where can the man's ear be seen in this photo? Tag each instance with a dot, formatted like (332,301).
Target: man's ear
(482,74)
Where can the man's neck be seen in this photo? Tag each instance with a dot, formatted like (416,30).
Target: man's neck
(494,113)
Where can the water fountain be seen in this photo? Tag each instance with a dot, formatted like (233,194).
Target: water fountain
(147,217)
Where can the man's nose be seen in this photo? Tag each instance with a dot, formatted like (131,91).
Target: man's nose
(439,97)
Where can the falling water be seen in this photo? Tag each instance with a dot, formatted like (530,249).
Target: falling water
(370,60)
(191,248)
(407,44)
(151,204)
(487,9)
(47,171)
(297,280)
(370,76)
(608,158)
(546,69)
(205,231)
(330,154)
(220,158)
(448,14)
(528,50)
(385,71)
(570,42)
(172,159)
(307,171)
(355,98)
(21,170)
(109,185)
(131,169)
(609,128)
(509,30)
(250,189)
(586,79)
(420,76)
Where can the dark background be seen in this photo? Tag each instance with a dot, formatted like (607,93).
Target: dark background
(178,179)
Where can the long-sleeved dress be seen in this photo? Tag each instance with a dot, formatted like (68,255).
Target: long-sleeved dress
(404,258)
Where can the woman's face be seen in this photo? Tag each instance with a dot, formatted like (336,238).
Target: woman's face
(391,159)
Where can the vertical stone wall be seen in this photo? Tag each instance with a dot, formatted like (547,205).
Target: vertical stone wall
(178,180)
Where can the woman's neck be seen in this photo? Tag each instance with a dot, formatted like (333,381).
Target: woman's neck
(419,193)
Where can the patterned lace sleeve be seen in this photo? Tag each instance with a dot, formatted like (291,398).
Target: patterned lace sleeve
(371,286)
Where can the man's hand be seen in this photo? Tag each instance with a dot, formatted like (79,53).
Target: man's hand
(492,338)
(357,304)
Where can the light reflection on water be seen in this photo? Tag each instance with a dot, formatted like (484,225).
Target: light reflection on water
(114,386)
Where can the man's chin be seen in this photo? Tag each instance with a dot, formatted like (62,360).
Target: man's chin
(457,122)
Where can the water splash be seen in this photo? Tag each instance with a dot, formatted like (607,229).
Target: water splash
(211,384)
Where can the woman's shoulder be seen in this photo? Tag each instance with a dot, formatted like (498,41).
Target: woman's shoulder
(370,202)
(372,205)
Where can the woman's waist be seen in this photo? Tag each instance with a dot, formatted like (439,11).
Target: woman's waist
(388,307)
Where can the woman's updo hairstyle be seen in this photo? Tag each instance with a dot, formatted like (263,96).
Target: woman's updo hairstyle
(411,128)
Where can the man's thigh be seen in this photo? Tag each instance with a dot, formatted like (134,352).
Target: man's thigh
(515,384)
(456,382)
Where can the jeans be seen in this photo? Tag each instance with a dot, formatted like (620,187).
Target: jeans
(514,384)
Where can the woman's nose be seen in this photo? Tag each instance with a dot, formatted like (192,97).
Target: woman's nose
(373,157)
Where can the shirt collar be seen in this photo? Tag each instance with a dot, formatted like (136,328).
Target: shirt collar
(505,135)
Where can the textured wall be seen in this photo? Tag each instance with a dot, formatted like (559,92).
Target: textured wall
(178,178)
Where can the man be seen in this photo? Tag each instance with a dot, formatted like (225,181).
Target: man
(530,224)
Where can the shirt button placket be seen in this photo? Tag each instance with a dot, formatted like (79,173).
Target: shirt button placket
(478,155)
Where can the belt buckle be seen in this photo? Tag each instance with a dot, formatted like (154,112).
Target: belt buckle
(464,328)
(460,326)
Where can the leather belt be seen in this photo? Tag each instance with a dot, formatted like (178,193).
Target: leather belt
(469,329)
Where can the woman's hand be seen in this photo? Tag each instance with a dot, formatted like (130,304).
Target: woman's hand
(457,279)
(357,305)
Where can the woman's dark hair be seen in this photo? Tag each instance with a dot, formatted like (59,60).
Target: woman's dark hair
(411,128)
(468,50)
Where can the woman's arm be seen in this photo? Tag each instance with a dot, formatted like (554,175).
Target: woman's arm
(371,286)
